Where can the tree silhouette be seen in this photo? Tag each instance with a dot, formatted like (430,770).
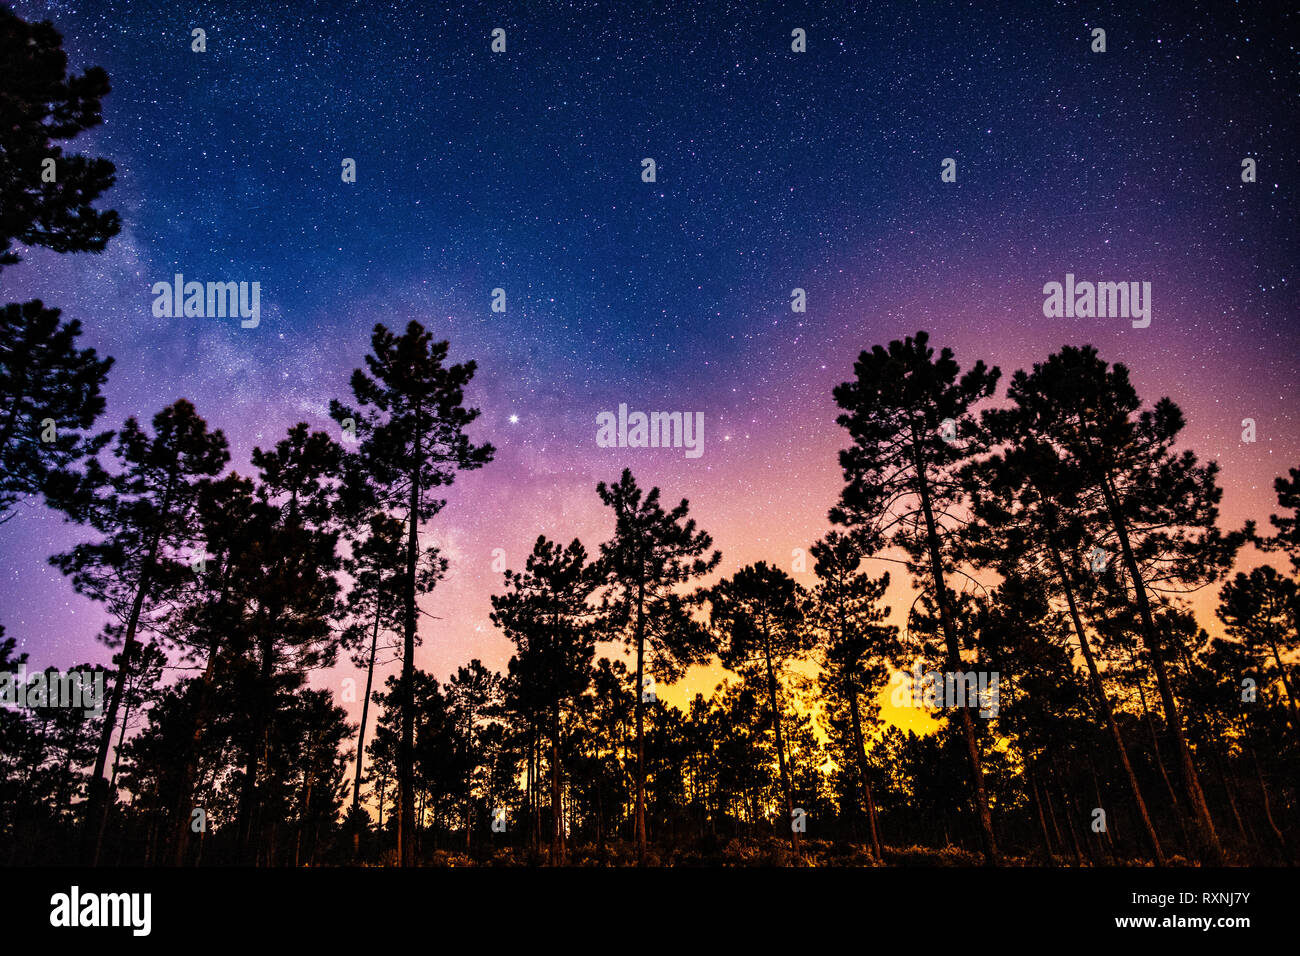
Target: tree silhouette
(1259,609)
(288,589)
(411,427)
(475,698)
(1033,506)
(211,624)
(907,415)
(1287,537)
(41,105)
(143,672)
(1161,505)
(758,619)
(49,391)
(374,567)
(240,581)
(857,647)
(145,513)
(652,552)
(546,614)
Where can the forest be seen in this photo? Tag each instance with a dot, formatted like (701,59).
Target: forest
(1053,528)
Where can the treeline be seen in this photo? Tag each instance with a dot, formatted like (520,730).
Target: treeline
(1050,538)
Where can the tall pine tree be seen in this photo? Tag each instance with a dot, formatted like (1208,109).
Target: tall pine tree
(410,422)
(908,416)
(652,552)
(145,512)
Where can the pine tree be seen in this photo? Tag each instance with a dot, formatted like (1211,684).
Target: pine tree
(145,512)
(547,614)
(1287,524)
(49,393)
(1162,506)
(411,428)
(652,552)
(908,416)
(475,697)
(857,647)
(289,589)
(374,568)
(1259,609)
(1033,508)
(143,672)
(40,105)
(758,620)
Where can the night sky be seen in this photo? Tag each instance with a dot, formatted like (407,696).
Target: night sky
(775,170)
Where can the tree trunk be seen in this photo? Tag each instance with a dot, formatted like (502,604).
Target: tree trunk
(954,653)
(535,763)
(640,726)
(860,752)
(1099,692)
(1054,776)
(1278,835)
(247,826)
(1106,838)
(557,808)
(1179,813)
(780,745)
(1042,819)
(1216,754)
(101,796)
(360,731)
(1051,812)
(117,751)
(183,816)
(1286,684)
(406,743)
(1151,637)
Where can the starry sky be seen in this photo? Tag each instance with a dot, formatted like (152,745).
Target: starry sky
(775,170)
